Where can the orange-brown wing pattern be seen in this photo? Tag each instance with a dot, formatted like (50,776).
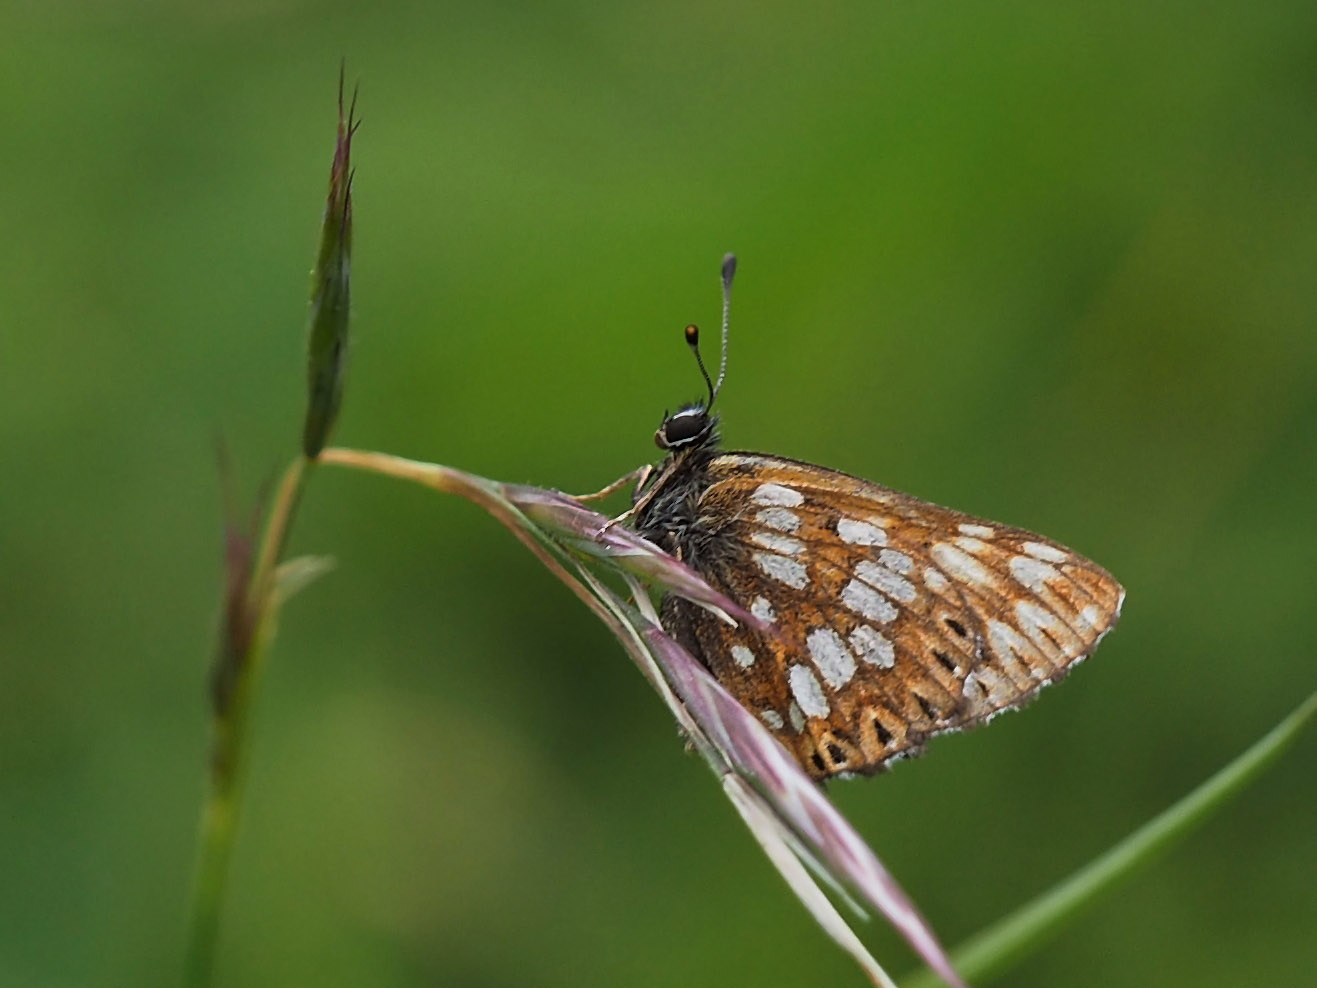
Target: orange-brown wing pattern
(897,619)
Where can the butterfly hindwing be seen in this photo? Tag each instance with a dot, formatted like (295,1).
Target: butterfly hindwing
(896,619)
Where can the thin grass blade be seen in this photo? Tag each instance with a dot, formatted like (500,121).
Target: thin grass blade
(986,955)
(768,831)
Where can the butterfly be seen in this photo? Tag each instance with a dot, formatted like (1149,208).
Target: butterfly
(895,619)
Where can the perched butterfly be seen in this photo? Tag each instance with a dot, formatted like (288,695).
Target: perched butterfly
(897,619)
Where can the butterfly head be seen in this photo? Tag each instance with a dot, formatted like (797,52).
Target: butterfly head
(693,425)
(690,425)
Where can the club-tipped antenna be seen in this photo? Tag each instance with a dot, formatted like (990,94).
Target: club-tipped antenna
(729,272)
(693,334)
(693,341)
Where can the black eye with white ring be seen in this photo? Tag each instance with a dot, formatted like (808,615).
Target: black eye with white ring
(685,427)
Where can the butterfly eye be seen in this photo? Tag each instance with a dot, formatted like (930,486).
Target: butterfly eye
(683,428)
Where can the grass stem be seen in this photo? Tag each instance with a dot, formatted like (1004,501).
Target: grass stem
(229,736)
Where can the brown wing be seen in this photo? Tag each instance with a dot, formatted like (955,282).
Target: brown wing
(898,619)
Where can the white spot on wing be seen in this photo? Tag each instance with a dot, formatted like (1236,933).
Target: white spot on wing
(772,718)
(831,656)
(934,580)
(860,532)
(776,494)
(1041,551)
(808,693)
(788,571)
(1045,630)
(743,656)
(763,610)
(987,688)
(1015,651)
(897,562)
(1089,615)
(971,545)
(873,647)
(868,602)
(978,531)
(1032,573)
(784,544)
(796,717)
(960,565)
(895,586)
(783,519)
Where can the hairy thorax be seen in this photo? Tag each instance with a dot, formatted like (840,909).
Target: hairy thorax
(684,517)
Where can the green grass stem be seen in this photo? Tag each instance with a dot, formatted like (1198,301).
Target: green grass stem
(229,736)
(999,947)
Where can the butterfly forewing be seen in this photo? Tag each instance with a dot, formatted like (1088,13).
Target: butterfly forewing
(896,619)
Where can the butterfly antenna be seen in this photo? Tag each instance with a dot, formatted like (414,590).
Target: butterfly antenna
(729,272)
(693,341)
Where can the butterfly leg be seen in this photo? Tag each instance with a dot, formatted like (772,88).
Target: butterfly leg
(625,516)
(639,504)
(637,476)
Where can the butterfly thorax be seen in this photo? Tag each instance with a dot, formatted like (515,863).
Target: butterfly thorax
(671,516)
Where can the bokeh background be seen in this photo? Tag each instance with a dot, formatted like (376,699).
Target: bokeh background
(1050,264)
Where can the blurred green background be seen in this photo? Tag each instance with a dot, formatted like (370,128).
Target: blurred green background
(1051,266)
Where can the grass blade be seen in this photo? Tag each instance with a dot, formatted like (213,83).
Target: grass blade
(1001,945)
